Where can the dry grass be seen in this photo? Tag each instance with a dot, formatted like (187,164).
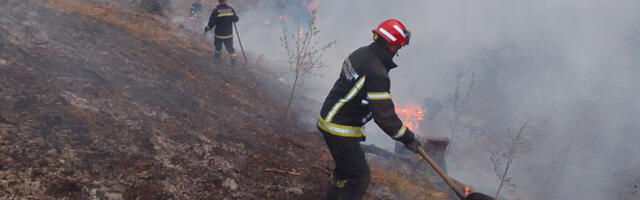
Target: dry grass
(403,186)
(142,25)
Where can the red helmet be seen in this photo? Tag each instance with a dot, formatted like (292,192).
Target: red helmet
(394,32)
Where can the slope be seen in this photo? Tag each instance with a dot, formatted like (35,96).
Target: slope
(99,101)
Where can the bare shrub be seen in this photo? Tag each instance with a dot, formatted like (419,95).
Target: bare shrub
(502,160)
(304,53)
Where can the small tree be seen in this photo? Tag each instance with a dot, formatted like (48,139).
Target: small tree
(502,160)
(459,101)
(304,53)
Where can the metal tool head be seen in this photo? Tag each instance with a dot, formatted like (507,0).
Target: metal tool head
(479,196)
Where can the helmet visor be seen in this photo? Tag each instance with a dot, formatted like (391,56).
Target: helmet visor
(407,37)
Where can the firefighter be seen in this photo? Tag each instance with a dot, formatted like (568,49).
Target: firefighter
(360,94)
(222,19)
(194,10)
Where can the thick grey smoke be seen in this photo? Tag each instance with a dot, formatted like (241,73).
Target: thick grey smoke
(570,68)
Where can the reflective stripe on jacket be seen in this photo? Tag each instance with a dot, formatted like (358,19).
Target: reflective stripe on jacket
(362,93)
(222,19)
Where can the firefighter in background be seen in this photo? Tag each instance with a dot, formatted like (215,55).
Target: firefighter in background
(359,95)
(222,19)
(194,10)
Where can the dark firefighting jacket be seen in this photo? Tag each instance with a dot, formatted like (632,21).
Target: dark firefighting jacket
(222,18)
(362,93)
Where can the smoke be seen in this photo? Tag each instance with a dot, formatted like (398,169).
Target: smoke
(568,67)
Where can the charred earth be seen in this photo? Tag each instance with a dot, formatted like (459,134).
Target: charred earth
(99,100)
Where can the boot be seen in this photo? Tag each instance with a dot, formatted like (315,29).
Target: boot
(233,60)
(216,55)
(332,193)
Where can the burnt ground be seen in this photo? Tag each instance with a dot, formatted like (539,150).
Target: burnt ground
(98,101)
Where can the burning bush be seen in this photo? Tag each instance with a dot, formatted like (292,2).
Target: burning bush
(411,115)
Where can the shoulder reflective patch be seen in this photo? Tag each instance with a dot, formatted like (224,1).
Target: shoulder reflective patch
(348,71)
(352,93)
(400,132)
(378,95)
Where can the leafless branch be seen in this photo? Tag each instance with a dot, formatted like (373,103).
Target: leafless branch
(305,55)
(282,171)
(504,180)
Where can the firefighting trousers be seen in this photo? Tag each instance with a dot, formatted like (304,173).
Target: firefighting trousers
(228,44)
(351,176)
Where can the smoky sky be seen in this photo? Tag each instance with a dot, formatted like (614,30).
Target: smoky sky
(569,68)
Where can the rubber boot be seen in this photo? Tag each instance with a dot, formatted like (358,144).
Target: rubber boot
(233,60)
(353,190)
(332,193)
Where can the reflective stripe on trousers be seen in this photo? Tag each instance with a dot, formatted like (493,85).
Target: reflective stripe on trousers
(223,36)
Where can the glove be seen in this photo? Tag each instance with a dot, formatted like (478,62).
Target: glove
(413,144)
(206,28)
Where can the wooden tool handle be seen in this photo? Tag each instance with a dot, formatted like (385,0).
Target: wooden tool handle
(444,176)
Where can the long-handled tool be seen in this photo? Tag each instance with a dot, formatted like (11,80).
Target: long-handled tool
(246,62)
(454,187)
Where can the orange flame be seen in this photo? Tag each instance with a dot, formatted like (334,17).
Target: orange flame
(466,190)
(411,115)
(300,31)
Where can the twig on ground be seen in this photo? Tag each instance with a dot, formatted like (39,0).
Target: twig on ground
(323,169)
(282,171)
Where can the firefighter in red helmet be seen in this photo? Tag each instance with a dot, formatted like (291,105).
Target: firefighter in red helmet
(360,94)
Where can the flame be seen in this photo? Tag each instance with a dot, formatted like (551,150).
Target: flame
(466,190)
(411,115)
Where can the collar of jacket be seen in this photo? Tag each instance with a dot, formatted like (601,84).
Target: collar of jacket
(385,56)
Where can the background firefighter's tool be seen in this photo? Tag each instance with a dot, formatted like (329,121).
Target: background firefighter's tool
(454,187)
(246,62)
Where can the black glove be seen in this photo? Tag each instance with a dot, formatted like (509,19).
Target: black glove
(206,28)
(413,144)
